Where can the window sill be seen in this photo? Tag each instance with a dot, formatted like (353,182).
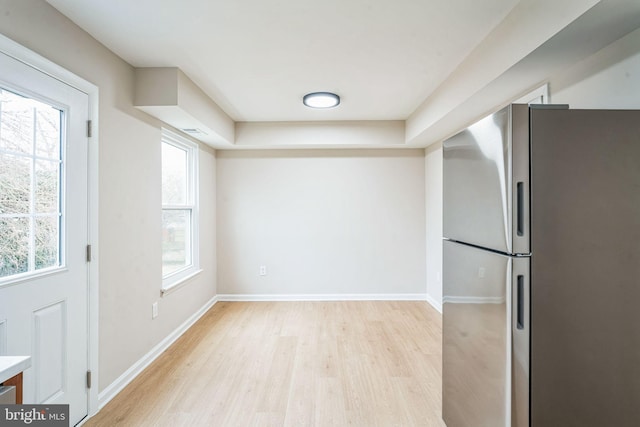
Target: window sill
(179,283)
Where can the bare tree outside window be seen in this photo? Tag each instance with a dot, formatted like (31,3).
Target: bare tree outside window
(30,169)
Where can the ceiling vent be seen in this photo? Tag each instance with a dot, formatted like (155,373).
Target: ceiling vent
(194,131)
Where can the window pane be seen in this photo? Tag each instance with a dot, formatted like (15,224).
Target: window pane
(176,240)
(174,175)
(15,184)
(46,233)
(16,122)
(48,120)
(46,191)
(14,246)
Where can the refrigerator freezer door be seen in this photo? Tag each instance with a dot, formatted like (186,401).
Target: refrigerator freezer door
(476,340)
(486,182)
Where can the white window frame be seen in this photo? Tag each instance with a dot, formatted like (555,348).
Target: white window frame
(32,157)
(177,278)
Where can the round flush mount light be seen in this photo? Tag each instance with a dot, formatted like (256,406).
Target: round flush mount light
(321,100)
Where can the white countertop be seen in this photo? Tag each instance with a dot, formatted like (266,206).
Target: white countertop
(10,366)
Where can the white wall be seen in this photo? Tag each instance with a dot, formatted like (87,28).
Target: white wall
(129,193)
(322,135)
(330,222)
(433,199)
(608,79)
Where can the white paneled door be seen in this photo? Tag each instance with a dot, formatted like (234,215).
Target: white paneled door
(43,233)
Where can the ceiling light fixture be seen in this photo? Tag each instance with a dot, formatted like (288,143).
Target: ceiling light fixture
(321,100)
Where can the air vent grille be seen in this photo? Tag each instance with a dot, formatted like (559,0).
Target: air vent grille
(193,131)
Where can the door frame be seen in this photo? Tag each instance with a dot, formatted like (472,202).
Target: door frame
(35,60)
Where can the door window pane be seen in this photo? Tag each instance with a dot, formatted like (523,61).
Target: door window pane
(46,241)
(16,123)
(14,246)
(47,135)
(46,191)
(30,191)
(15,184)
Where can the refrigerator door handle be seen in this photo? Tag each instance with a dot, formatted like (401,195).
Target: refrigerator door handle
(520,209)
(520,302)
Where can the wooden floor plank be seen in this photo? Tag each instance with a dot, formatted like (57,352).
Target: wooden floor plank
(364,363)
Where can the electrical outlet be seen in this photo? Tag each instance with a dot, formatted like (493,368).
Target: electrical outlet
(154,310)
(263,270)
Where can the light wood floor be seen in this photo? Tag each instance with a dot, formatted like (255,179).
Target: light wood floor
(320,364)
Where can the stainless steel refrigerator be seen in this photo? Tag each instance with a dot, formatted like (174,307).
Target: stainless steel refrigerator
(541,275)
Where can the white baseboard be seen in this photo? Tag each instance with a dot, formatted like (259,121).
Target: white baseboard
(322,297)
(123,380)
(473,300)
(434,303)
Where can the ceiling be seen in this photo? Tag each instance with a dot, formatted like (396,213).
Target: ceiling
(410,60)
